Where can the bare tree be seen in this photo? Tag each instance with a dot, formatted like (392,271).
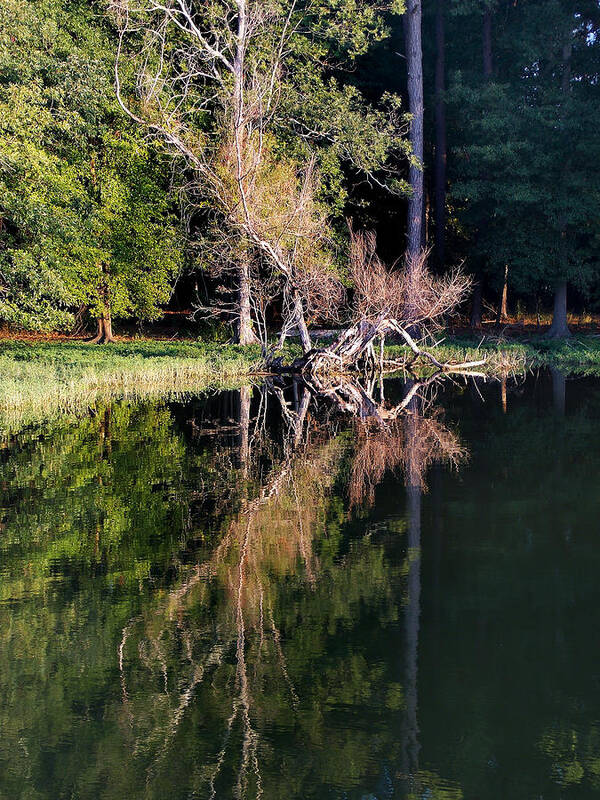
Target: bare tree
(389,302)
(224,60)
(209,82)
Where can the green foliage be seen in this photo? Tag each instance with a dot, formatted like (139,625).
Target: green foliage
(314,111)
(524,151)
(86,217)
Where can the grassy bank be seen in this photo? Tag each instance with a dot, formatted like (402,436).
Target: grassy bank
(43,378)
(576,356)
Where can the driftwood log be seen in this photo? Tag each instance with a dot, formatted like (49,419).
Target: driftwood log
(355,348)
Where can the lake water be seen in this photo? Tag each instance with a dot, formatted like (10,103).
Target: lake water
(200,600)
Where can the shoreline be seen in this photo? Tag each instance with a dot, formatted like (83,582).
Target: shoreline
(42,379)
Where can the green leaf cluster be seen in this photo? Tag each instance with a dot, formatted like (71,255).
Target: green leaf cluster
(86,214)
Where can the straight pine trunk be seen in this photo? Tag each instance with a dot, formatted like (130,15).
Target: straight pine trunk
(559,328)
(488,67)
(414,59)
(440,135)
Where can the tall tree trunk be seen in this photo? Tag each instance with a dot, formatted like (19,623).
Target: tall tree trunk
(476,308)
(488,67)
(244,333)
(503,304)
(440,135)
(559,328)
(414,59)
(243,329)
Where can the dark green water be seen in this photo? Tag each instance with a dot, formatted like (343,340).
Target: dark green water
(197,600)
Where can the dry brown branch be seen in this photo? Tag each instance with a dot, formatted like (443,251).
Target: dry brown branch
(409,296)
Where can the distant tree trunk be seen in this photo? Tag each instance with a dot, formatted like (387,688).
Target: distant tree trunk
(559,328)
(476,308)
(488,66)
(503,305)
(414,59)
(104,333)
(440,135)
(243,329)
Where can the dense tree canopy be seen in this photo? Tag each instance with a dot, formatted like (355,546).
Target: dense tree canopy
(246,134)
(525,159)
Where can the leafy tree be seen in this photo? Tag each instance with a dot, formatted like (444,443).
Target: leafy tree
(245,94)
(86,216)
(524,165)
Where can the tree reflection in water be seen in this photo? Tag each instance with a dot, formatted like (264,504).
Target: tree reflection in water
(263,642)
(190,599)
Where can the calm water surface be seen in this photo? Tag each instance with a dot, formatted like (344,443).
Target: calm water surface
(201,600)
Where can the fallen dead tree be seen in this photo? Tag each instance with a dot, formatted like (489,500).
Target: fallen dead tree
(408,305)
(355,347)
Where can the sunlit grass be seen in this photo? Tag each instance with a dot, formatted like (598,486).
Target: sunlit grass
(44,378)
(579,355)
(41,379)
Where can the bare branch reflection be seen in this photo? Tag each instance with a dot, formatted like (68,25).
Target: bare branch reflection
(224,618)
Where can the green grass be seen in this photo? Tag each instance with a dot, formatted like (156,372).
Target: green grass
(579,355)
(40,379)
